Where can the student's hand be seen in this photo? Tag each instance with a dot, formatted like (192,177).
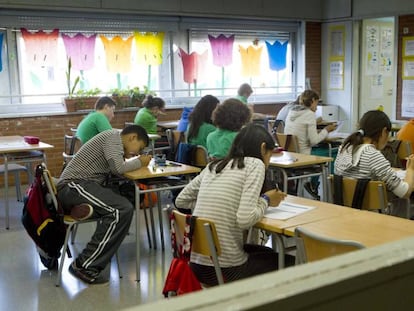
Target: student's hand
(145,159)
(331,127)
(319,120)
(275,197)
(410,163)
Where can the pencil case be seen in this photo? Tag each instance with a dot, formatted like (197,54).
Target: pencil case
(32,140)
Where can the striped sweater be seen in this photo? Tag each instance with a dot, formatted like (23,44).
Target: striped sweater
(100,156)
(368,162)
(232,200)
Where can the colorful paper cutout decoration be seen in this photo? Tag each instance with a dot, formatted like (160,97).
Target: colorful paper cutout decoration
(1,51)
(81,50)
(118,53)
(277,55)
(222,48)
(41,47)
(250,58)
(149,47)
(194,65)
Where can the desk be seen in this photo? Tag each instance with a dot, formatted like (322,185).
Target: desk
(288,161)
(15,150)
(322,210)
(168,124)
(366,227)
(151,172)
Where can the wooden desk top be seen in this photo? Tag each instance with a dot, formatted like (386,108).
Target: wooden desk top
(168,124)
(368,228)
(12,144)
(152,171)
(287,159)
(322,211)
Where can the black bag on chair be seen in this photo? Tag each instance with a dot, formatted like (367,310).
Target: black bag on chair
(43,222)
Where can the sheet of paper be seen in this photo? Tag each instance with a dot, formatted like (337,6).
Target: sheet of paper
(401,173)
(286,210)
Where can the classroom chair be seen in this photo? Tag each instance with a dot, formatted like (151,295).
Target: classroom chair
(71,144)
(200,156)
(311,246)
(69,222)
(287,142)
(205,240)
(373,198)
(15,169)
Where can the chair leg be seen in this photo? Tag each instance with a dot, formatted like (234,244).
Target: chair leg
(17,184)
(74,230)
(118,265)
(62,258)
(154,237)
(144,210)
(159,205)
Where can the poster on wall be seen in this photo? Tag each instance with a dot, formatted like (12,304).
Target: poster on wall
(407,100)
(336,57)
(372,48)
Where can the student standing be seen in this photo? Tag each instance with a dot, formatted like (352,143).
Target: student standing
(83,183)
(228,192)
(97,121)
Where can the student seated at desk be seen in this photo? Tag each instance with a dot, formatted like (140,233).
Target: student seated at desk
(229,117)
(228,191)
(201,123)
(97,121)
(83,183)
(301,122)
(147,116)
(360,155)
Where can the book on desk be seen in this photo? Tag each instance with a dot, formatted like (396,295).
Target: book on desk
(286,210)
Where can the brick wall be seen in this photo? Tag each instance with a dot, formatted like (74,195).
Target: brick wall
(313,54)
(51,130)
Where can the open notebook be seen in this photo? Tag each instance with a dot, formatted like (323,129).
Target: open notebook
(286,210)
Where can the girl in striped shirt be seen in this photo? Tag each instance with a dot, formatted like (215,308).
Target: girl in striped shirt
(228,191)
(360,155)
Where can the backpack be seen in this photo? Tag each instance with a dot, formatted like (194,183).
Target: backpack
(390,152)
(181,279)
(43,221)
(185,153)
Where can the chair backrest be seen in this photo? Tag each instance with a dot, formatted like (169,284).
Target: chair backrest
(205,239)
(71,146)
(374,198)
(175,137)
(287,142)
(50,184)
(200,157)
(312,247)
(128,123)
(275,126)
(404,151)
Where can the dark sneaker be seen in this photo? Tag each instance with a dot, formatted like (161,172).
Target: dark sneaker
(313,192)
(51,263)
(90,276)
(81,212)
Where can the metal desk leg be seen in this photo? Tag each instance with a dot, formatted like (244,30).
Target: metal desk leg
(324,177)
(280,248)
(285,181)
(6,191)
(137,239)
(160,220)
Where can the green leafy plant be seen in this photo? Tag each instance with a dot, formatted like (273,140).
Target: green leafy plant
(71,88)
(88,93)
(135,94)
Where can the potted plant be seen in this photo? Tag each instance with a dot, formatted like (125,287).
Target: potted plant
(130,97)
(81,99)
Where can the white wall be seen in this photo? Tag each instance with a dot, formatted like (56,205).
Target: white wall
(342,98)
